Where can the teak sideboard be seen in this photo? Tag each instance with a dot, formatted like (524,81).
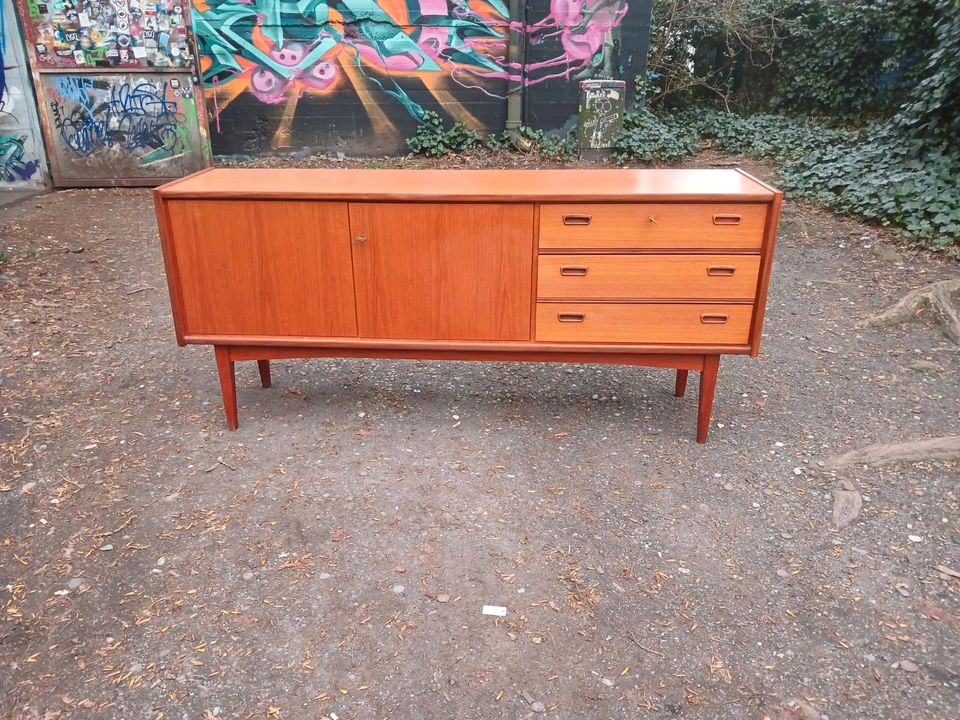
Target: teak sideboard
(664,268)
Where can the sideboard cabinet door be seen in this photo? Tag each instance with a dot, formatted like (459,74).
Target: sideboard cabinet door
(264,267)
(443,271)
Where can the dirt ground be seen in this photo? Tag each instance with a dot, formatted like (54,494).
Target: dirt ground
(331,558)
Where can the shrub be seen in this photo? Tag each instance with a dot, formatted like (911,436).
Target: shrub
(434,140)
(891,177)
(764,135)
(883,174)
(651,139)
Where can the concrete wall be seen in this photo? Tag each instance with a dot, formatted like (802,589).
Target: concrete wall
(22,161)
(357,75)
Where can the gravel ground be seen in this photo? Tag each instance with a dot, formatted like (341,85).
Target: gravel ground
(331,558)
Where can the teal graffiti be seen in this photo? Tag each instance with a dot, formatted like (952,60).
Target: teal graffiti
(286,48)
(13,167)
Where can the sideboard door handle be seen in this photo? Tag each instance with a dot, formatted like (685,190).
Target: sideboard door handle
(576,219)
(729,219)
(570,317)
(725,270)
(713,318)
(573,270)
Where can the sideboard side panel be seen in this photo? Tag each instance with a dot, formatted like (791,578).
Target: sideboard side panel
(170,266)
(766,268)
(443,271)
(274,267)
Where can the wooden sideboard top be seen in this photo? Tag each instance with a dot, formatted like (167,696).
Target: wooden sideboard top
(580,185)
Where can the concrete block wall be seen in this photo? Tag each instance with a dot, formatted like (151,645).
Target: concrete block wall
(355,76)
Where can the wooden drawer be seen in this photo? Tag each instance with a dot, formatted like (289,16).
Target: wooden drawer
(695,277)
(652,225)
(654,323)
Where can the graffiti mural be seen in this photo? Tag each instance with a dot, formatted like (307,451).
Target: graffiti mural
(107,33)
(21,149)
(124,126)
(388,60)
(14,165)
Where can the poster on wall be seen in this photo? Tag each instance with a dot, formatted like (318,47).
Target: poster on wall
(138,127)
(107,33)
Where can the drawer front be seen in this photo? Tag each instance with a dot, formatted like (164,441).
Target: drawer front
(640,323)
(695,277)
(652,225)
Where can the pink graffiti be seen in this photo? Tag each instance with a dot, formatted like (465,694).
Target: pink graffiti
(583,27)
(270,87)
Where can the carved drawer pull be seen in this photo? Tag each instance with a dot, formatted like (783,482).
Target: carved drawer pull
(724,270)
(713,318)
(730,219)
(570,317)
(576,219)
(573,270)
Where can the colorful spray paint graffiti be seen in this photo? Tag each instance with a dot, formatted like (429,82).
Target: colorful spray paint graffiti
(407,52)
(128,126)
(14,166)
(278,50)
(107,33)
(21,162)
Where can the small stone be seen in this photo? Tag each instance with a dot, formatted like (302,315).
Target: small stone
(804,711)
(324,576)
(106,548)
(248,575)
(782,572)
(443,598)
(398,588)
(161,561)
(75,583)
(728,486)
(536,640)
(914,538)
(608,682)
(538,707)
(903,591)
(798,471)
(786,535)
(909,666)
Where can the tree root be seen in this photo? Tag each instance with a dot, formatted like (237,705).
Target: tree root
(939,448)
(935,296)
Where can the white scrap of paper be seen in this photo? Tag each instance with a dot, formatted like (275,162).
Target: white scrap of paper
(139,51)
(84,19)
(495,610)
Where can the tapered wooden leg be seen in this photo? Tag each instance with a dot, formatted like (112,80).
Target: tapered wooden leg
(681,382)
(708,383)
(264,367)
(228,385)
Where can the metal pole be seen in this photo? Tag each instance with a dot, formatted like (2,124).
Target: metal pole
(516,67)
